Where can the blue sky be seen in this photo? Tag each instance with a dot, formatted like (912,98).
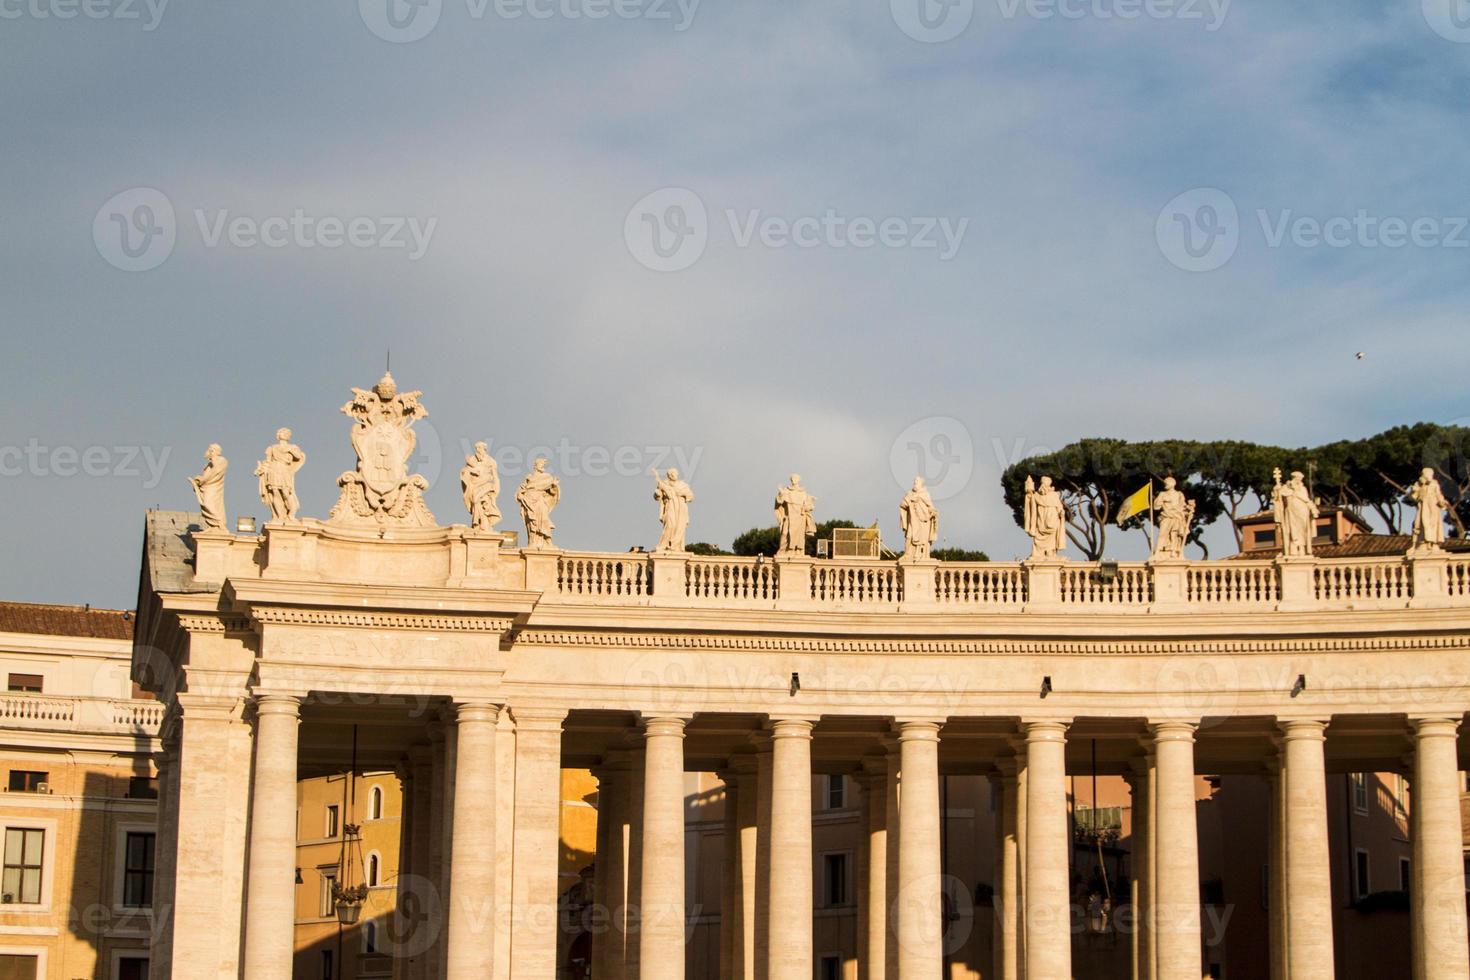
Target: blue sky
(1068,144)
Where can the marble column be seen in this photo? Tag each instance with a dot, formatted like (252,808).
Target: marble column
(729,876)
(1176,905)
(763,759)
(894,823)
(471,952)
(537,845)
(746,820)
(1048,840)
(270,904)
(435,924)
(873,929)
(608,878)
(1438,915)
(632,926)
(920,878)
(1276,869)
(446,833)
(791,850)
(422,895)
(1141,844)
(165,851)
(399,928)
(1308,860)
(661,939)
(1007,873)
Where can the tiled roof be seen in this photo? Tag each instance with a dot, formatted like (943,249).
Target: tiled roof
(97,624)
(1358,546)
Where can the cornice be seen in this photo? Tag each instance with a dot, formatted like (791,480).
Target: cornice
(443,623)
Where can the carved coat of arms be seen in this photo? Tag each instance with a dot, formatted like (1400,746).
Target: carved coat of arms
(382,491)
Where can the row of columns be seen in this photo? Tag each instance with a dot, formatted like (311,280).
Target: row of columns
(767,899)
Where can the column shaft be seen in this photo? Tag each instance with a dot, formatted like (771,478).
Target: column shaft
(1141,847)
(421,895)
(471,953)
(1007,876)
(748,809)
(1308,860)
(166,851)
(729,877)
(537,844)
(1276,871)
(270,913)
(1048,898)
(446,833)
(920,901)
(890,876)
(1176,905)
(1439,901)
(661,939)
(872,938)
(791,851)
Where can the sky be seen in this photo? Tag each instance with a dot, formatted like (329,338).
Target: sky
(856,240)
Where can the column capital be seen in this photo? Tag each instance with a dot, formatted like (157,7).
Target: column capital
(911,728)
(792,727)
(1045,729)
(476,711)
(1300,728)
(669,726)
(538,719)
(1432,725)
(1173,730)
(271,703)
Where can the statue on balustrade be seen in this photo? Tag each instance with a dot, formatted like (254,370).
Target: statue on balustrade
(1296,514)
(1176,514)
(674,497)
(480,482)
(794,516)
(209,487)
(919,520)
(277,474)
(540,492)
(1045,519)
(1427,495)
(382,491)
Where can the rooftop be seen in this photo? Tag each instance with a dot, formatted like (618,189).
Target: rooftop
(50,620)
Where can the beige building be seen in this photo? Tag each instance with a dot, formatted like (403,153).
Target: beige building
(482,673)
(79,810)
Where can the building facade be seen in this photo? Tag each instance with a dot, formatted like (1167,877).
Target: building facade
(79,811)
(483,672)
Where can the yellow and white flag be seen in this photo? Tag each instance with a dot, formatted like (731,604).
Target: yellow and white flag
(1139,503)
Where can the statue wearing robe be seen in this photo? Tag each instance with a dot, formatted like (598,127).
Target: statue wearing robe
(919,520)
(1045,519)
(209,488)
(794,516)
(479,480)
(1429,498)
(1296,513)
(674,497)
(539,493)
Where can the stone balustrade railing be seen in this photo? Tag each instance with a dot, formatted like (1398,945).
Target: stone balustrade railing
(104,715)
(459,558)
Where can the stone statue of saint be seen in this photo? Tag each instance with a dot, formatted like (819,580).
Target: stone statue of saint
(539,493)
(1176,514)
(479,479)
(794,515)
(209,487)
(277,474)
(1045,519)
(1427,495)
(919,520)
(381,491)
(674,497)
(1296,514)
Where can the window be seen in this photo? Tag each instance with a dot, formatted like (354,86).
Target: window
(374,870)
(370,937)
(834,879)
(327,906)
(1361,884)
(836,792)
(27,780)
(24,850)
(16,967)
(327,973)
(1266,538)
(142,788)
(132,968)
(26,683)
(138,871)
(1404,877)
(332,821)
(375,803)
(1360,791)
(831,968)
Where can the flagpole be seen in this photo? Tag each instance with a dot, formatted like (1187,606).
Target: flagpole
(1148,517)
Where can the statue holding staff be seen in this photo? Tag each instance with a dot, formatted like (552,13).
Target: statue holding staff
(1045,519)
(1176,514)
(674,497)
(1427,495)
(919,520)
(794,516)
